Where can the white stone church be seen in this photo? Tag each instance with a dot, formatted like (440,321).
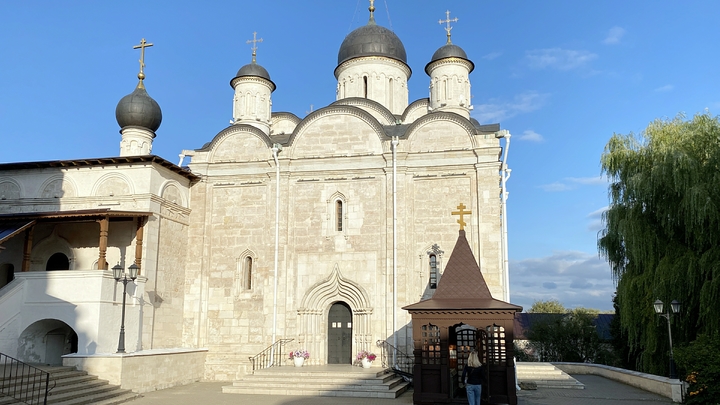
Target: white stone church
(316,229)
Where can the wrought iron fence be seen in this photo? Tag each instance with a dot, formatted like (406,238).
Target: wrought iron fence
(273,356)
(403,362)
(23,382)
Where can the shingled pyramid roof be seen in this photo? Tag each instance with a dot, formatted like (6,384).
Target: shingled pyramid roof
(462,285)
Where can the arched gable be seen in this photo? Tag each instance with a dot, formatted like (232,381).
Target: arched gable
(283,123)
(379,111)
(172,191)
(332,289)
(440,131)
(238,143)
(417,109)
(234,149)
(337,130)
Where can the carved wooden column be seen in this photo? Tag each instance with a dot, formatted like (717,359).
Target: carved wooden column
(139,243)
(104,225)
(27,249)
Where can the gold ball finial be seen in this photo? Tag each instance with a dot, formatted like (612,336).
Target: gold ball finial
(141,76)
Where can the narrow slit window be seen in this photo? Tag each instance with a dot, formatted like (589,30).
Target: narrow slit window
(365,86)
(339,215)
(433,271)
(247,272)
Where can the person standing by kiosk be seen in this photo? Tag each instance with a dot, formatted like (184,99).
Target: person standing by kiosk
(472,376)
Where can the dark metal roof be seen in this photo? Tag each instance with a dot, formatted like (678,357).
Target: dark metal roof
(449,51)
(124,160)
(372,40)
(254,70)
(138,109)
(462,285)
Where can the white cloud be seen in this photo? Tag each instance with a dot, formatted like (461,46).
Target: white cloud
(614,36)
(557,58)
(532,136)
(571,277)
(571,183)
(492,55)
(595,217)
(497,111)
(665,88)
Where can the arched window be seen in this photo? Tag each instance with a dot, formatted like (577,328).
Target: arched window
(247,272)
(391,94)
(58,261)
(365,86)
(339,215)
(433,271)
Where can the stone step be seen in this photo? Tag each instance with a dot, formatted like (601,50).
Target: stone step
(321,381)
(546,375)
(72,387)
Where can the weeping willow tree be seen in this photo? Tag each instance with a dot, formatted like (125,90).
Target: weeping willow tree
(662,232)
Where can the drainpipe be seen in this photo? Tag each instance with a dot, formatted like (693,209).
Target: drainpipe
(276,148)
(504,176)
(394,144)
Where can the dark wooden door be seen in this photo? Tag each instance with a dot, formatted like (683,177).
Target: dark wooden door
(340,334)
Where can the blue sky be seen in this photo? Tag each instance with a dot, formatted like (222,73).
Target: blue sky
(561,76)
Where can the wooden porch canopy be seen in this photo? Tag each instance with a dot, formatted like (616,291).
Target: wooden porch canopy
(461,315)
(14,224)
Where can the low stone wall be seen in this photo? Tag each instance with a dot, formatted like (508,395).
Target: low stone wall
(659,385)
(143,371)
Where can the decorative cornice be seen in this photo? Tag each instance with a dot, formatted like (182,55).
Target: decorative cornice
(450,61)
(365,59)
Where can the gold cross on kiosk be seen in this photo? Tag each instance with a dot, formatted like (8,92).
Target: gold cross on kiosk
(461,212)
(448,21)
(142,47)
(254,48)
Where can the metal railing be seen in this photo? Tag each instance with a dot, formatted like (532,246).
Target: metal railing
(23,382)
(273,356)
(403,362)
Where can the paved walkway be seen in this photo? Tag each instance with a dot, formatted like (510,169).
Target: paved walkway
(598,391)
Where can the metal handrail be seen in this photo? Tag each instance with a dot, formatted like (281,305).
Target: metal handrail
(404,363)
(272,356)
(23,382)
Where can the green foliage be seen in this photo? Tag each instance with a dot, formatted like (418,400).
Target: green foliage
(547,307)
(662,232)
(700,362)
(568,337)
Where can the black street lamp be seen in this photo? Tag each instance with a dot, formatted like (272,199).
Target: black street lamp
(675,306)
(120,275)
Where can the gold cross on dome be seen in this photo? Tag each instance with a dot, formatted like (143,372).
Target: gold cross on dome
(461,212)
(142,46)
(254,48)
(447,21)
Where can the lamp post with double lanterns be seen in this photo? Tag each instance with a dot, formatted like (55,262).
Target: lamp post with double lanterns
(675,306)
(120,275)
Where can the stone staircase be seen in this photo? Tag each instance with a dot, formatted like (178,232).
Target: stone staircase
(329,380)
(72,387)
(546,375)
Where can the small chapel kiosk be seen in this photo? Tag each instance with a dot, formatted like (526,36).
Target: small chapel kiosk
(461,316)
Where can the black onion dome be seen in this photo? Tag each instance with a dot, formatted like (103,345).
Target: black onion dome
(372,40)
(253,70)
(138,109)
(449,51)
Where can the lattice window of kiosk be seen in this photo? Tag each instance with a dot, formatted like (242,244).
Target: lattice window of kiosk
(430,344)
(466,338)
(496,351)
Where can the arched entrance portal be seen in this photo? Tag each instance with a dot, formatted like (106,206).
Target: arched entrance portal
(339,334)
(46,341)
